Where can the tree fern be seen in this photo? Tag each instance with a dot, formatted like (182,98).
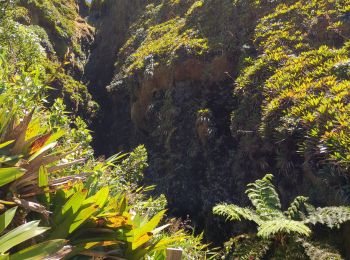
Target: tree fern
(319,252)
(286,226)
(264,197)
(234,212)
(329,216)
(290,226)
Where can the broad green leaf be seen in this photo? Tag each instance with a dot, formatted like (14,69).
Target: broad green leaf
(8,175)
(141,234)
(72,206)
(90,245)
(34,129)
(83,216)
(43,177)
(6,218)
(100,198)
(39,251)
(73,221)
(55,136)
(43,180)
(20,234)
(122,204)
(141,240)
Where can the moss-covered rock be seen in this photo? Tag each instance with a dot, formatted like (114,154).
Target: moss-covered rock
(67,30)
(163,72)
(54,35)
(298,86)
(174,60)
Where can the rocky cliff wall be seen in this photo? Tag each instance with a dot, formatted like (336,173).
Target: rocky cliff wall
(164,78)
(222,92)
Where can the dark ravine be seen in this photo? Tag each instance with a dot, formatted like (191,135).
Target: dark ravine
(181,111)
(111,20)
(199,106)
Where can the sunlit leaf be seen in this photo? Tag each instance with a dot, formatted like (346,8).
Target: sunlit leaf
(8,175)
(6,218)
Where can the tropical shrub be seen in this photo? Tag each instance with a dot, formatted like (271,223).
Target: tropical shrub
(287,233)
(22,233)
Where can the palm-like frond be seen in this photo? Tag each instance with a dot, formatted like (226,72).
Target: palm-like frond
(268,229)
(234,212)
(293,210)
(330,216)
(264,197)
(274,224)
(319,252)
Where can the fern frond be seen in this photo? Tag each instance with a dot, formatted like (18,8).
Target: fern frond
(330,216)
(264,197)
(319,252)
(294,210)
(234,212)
(251,248)
(269,228)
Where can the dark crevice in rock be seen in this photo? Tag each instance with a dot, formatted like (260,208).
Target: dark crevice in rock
(111,20)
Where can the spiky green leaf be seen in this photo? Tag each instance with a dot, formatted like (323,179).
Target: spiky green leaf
(20,234)
(6,218)
(39,251)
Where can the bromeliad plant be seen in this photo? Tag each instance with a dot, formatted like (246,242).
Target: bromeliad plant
(23,233)
(25,148)
(93,221)
(289,230)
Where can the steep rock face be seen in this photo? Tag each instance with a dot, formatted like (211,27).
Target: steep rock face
(112,20)
(66,38)
(171,89)
(68,32)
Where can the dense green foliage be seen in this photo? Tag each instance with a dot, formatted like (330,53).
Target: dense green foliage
(174,63)
(295,93)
